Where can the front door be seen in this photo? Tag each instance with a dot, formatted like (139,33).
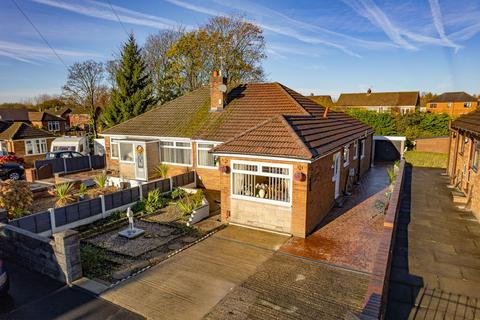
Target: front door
(337,161)
(140,161)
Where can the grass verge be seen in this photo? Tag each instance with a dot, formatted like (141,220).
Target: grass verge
(426,159)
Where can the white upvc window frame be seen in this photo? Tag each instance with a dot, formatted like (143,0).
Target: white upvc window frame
(120,152)
(114,144)
(346,159)
(176,147)
(260,173)
(355,148)
(42,149)
(53,126)
(198,143)
(363,144)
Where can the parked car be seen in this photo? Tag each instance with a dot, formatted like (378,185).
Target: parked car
(4,279)
(11,170)
(62,154)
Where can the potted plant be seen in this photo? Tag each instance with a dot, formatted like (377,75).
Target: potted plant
(262,189)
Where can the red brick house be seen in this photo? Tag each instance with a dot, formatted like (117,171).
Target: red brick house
(76,117)
(25,141)
(464,158)
(452,103)
(44,120)
(275,159)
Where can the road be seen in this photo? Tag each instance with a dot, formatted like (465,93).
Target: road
(35,296)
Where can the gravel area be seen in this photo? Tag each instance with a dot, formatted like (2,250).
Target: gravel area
(168,214)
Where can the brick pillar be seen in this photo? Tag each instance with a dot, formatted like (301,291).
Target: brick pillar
(31,174)
(67,252)
(3,216)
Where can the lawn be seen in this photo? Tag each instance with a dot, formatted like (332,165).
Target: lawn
(426,159)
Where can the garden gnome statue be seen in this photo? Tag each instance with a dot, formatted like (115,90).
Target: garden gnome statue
(131,232)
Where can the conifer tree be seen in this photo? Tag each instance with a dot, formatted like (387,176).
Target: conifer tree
(133,93)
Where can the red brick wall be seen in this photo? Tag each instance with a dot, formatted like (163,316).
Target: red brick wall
(79,120)
(436,144)
(456,109)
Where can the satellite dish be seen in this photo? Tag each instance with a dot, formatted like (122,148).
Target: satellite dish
(222,88)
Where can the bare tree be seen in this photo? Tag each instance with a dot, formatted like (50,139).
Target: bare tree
(85,86)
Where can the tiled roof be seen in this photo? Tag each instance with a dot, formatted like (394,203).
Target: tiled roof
(304,137)
(454,97)
(14,114)
(323,100)
(394,99)
(43,116)
(266,119)
(469,122)
(21,130)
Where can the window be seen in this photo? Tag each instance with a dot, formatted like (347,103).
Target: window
(476,156)
(35,146)
(362,149)
(355,150)
(433,105)
(463,142)
(467,105)
(262,182)
(176,152)
(53,126)
(126,151)
(346,155)
(449,105)
(114,150)
(204,158)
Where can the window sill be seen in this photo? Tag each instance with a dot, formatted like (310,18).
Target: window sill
(207,167)
(261,200)
(177,164)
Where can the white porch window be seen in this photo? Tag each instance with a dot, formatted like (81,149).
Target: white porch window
(355,150)
(126,151)
(35,146)
(204,158)
(263,182)
(176,152)
(362,147)
(53,126)
(114,150)
(346,155)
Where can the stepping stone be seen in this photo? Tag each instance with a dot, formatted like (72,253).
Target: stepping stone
(189,239)
(175,246)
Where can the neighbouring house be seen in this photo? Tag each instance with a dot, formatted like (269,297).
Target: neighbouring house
(273,158)
(464,158)
(25,141)
(44,120)
(76,117)
(452,103)
(400,102)
(323,100)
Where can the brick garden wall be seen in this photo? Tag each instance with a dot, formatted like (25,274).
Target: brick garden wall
(436,144)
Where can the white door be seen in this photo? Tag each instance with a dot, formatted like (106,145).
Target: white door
(140,161)
(337,161)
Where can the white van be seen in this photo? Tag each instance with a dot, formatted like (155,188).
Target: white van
(78,144)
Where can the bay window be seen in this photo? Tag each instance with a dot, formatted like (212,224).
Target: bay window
(126,151)
(262,182)
(35,146)
(204,158)
(176,152)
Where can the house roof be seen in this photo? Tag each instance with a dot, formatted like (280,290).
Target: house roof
(264,118)
(454,97)
(21,130)
(394,99)
(43,116)
(323,100)
(469,122)
(27,115)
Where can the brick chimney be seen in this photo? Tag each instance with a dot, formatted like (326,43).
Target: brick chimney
(218,91)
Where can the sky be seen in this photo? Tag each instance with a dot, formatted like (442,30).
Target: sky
(320,47)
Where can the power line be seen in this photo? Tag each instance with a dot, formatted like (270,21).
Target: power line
(39,33)
(118,18)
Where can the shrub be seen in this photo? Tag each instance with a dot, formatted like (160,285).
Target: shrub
(101,180)
(162,170)
(64,193)
(177,193)
(154,201)
(82,190)
(15,197)
(188,202)
(392,174)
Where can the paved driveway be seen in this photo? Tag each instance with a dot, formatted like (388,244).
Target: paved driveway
(189,284)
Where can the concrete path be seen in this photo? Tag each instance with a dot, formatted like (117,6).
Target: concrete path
(189,284)
(35,296)
(436,263)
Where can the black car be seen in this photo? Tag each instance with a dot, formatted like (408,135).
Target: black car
(11,170)
(62,154)
(4,279)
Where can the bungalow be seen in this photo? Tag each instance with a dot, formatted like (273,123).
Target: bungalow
(274,159)
(25,141)
(464,158)
(400,102)
(44,120)
(452,103)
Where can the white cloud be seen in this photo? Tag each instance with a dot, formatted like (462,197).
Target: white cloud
(34,54)
(103,11)
(438,23)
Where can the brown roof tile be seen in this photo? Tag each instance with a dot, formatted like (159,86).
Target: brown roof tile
(395,99)
(21,130)
(454,97)
(469,122)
